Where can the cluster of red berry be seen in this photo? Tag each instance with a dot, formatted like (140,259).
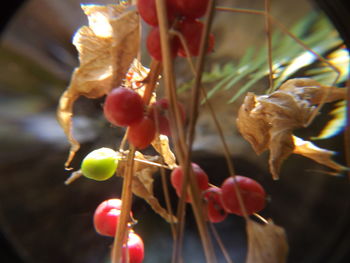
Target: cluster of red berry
(105,220)
(124,107)
(182,17)
(223,200)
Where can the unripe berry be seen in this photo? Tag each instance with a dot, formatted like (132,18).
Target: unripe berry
(100,164)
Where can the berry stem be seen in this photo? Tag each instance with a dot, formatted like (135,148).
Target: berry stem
(150,81)
(178,135)
(194,192)
(122,227)
(220,243)
(185,45)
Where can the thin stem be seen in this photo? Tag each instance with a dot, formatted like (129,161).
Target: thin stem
(269,43)
(240,10)
(124,140)
(163,178)
(221,245)
(227,153)
(187,51)
(151,80)
(194,191)
(122,227)
(174,113)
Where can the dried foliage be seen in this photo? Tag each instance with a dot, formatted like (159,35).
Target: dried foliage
(267,121)
(142,182)
(267,243)
(161,145)
(315,153)
(106,49)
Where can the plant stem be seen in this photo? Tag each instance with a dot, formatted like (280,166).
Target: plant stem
(122,227)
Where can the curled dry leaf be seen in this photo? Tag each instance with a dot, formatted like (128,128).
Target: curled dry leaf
(267,243)
(315,153)
(161,145)
(142,184)
(106,49)
(267,122)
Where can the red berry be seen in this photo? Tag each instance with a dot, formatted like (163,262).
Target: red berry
(154,47)
(135,248)
(215,210)
(192,32)
(106,217)
(159,112)
(148,12)
(142,133)
(253,195)
(201,177)
(123,107)
(191,8)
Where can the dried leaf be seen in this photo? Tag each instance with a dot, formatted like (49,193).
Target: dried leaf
(106,49)
(142,184)
(161,145)
(267,122)
(266,243)
(312,91)
(317,154)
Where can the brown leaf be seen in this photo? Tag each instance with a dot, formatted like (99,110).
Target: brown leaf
(161,145)
(313,91)
(142,184)
(106,49)
(315,153)
(267,122)
(267,243)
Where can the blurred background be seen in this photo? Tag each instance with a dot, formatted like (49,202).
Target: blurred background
(42,220)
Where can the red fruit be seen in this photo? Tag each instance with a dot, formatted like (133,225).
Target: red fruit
(106,217)
(253,195)
(154,47)
(201,177)
(135,249)
(215,210)
(123,107)
(148,12)
(142,133)
(159,112)
(191,8)
(192,32)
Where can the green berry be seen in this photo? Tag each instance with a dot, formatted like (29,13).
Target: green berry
(100,164)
